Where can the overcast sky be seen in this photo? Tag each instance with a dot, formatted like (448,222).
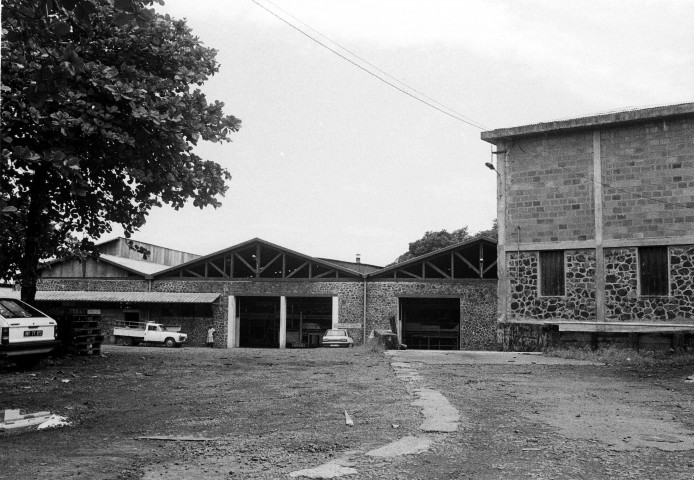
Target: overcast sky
(332,162)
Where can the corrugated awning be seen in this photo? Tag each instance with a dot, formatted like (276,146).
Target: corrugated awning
(124,297)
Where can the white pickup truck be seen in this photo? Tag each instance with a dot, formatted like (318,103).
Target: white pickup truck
(134,333)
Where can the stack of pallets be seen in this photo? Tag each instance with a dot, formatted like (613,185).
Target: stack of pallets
(81,335)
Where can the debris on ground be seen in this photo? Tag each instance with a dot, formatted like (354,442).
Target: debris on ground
(348,419)
(11,419)
(55,421)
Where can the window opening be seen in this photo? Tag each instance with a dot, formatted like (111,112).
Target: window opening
(552,273)
(653,271)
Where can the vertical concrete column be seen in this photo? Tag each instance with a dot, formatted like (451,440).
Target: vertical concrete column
(283,322)
(599,251)
(504,283)
(336,311)
(232,323)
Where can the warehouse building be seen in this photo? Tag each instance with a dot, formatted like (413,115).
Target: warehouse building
(258,294)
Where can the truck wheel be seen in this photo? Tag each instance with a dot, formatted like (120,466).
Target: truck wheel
(170,342)
(128,341)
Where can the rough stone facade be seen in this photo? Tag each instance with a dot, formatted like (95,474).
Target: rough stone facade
(622,297)
(525,299)
(477,306)
(93,285)
(477,302)
(349,293)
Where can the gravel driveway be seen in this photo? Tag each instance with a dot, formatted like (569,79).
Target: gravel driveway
(156,413)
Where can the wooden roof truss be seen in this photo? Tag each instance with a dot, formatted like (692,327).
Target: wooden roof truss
(261,261)
(476,260)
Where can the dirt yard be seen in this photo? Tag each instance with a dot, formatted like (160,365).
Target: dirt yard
(263,414)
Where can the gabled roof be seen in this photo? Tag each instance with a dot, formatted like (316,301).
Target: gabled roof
(255,257)
(130,261)
(432,261)
(357,267)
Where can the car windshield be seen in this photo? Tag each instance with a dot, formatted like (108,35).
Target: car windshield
(336,333)
(15,309)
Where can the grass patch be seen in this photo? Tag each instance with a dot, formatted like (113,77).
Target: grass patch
(626,357)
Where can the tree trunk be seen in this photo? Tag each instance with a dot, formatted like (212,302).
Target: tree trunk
(35,232)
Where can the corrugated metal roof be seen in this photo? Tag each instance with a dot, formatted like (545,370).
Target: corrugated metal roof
(122,297)
(357,267)
(139,266)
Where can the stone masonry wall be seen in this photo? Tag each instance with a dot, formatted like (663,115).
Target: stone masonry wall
(89,285)
(652,160)
(477,307)
(622,299)
(350,298)
(525,301)
(549,189)
(477,302)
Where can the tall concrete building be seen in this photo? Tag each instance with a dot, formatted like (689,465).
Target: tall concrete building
(596,230)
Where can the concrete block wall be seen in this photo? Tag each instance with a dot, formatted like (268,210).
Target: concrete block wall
(549,189)
(654,160)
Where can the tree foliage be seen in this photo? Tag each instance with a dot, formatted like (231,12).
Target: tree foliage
(492,232)
(432,241)
(100,115)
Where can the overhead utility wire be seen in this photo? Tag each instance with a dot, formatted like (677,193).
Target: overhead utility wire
(456,116)
(476,124)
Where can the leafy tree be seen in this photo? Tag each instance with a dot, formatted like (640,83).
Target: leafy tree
(100,115)
(492,232)
(433,241)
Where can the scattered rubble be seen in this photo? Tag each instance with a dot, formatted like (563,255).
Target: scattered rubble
(11,419)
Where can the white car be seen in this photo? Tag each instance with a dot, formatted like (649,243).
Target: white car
(337,338)
(25,333)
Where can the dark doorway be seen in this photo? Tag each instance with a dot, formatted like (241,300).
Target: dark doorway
(307,320)
(259,322)
(430,323)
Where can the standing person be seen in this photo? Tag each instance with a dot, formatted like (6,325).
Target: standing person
(210,336)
